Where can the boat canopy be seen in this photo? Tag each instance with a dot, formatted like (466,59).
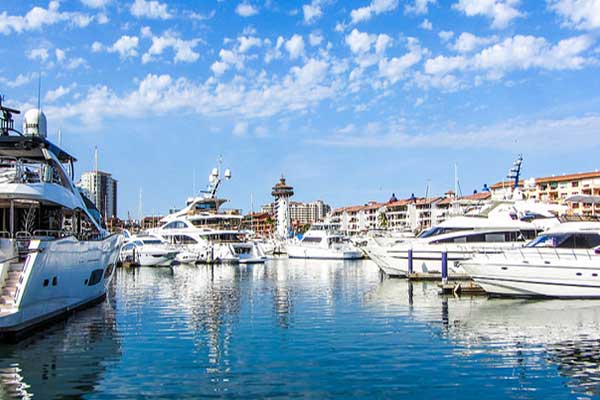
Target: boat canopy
(31,147)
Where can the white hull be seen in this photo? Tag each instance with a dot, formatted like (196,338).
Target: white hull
(428,259)
(57,277)
(300,251)
(562,277)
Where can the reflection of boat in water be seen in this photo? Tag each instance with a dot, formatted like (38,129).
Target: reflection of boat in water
(564,333)
(64,361)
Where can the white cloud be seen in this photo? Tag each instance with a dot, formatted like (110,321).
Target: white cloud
(219,67)
(502,12)
(426,24)
(246,10)
(376,7)
(20,80)
(184,49)
(302,88)
(295,46)
(446,35)
(419,6)
(315,39)
(240,128)
(102,19)
(247,42)
(360,42)
(38,54)
(95,3)
(126,46)
(97,47)
(442,65)
(396,68)
(38,17)
(201,17)
(517,53)
(53,95)
(60,55)
(468,42)
(312,11)
(149,9)
(582,14)
(581,131)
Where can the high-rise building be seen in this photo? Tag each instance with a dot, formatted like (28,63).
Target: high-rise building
(102,190)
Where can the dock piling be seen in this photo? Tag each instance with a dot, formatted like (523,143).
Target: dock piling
(410,262)
(444,267)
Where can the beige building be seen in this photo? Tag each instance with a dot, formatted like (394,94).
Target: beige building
(558,189)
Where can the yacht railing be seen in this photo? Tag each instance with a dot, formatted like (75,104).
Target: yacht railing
(544,254)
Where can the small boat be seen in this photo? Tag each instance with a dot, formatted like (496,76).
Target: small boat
(148,251)
(563,262)
(323,241)
(56,255)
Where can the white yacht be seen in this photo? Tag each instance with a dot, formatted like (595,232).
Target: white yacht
(55,254)
(148,251)
(459,237)
(206,234)
(323,241)
(562,262)
(501,226)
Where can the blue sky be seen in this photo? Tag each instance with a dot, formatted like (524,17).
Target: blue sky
(351,100)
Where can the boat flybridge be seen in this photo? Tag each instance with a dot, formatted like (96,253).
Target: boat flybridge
(323,241)
(55,254)
(206,234)
(561,262)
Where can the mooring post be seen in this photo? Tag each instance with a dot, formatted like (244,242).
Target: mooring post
(410,262)
(444,267)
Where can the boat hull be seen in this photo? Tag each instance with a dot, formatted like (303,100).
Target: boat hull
(297,251)
(57,278)
(549,278)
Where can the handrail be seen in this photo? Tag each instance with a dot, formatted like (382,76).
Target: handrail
(19,256)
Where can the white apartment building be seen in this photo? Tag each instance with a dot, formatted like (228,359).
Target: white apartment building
(102,190)
(302,213)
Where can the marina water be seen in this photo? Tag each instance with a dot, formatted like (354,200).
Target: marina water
(300,328)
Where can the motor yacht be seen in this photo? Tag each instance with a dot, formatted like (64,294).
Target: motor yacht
(562,262)
(148,251)
(323,241)
(501,226)
(207,234)
(55,254)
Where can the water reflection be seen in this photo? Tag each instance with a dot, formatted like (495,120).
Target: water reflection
(294,328)
(65,361)
(523,333)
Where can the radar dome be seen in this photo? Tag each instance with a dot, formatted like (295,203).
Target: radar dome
(227,174)
(34,123)
(215,172)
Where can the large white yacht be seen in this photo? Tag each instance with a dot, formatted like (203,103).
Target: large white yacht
(562,262)
(205,234)
(55,254)
(501,225)
(323,241)
(148,251)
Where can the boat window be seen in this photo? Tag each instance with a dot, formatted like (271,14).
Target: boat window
(95,277)
(152,241)
(175,225)
(567,241)
(311,240)
(435,231)
(495,237)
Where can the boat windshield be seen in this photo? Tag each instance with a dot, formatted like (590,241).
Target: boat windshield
(152,241)
(566,241)
(435,231)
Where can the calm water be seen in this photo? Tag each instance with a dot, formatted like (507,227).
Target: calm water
(306,329)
